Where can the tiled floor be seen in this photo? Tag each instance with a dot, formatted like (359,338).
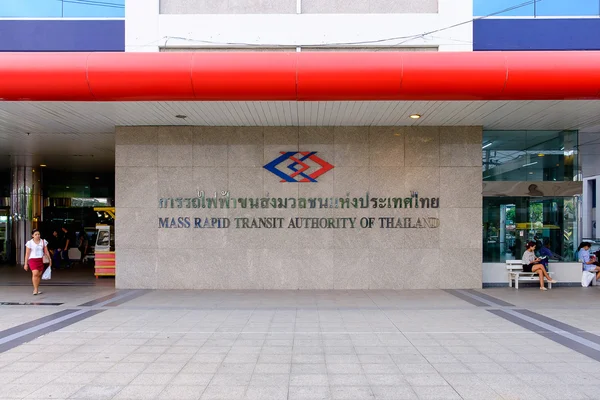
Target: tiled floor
(299,345)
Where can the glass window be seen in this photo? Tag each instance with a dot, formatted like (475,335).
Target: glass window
(530,156)
(571,8)
(62,8)
(30,9)
(100,9)
(503,8)
(510,222)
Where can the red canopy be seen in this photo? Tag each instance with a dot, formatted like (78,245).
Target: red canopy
(302,76)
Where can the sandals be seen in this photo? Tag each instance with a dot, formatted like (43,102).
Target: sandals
(543,288)
(38,292)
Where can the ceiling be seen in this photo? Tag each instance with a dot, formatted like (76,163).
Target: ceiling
(81,134)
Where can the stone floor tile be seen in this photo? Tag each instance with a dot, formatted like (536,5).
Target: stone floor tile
(182,379)
(230,380)
(344,368)
(97,392)
(309,393)
(152,379)
(393,393)
(386,379)
(53,391)
(141,392)
(299,369)
(426,380)
(480,392)
(224,393)
(558,392)
(348,380)
(341,358)
(417,368)
(200,368)
(342,350)
(266,393)
(232,368)
(380,369)
(272,368)
(182,392)
(309,380)
(308,359)
(279,380)
(114,378)
(436,393)
(352,393)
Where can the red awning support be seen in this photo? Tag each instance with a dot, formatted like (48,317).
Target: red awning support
(303,76)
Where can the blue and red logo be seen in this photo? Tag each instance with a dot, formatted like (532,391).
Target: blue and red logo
(304,166)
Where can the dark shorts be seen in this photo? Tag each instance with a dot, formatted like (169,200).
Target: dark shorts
(527,268)
(36,264)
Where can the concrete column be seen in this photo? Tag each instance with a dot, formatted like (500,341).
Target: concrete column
(22,201)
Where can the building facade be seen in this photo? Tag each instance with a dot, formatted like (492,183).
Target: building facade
(311,162)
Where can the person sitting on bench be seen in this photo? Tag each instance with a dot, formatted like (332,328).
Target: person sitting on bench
(589,262)
(533,264)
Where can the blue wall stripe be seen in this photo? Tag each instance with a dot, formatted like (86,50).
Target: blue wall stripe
(60,35)
(536,34)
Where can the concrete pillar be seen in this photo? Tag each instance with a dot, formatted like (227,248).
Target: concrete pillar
(22,192)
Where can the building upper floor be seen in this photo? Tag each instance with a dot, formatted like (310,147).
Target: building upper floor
(299,25)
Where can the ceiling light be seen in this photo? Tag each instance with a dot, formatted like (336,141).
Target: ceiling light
(33,170)
(67,187)
(97,177)
(181,116)
(415,116)
(541,155)
(531,163)
(486,145)
(42,165)
(87,187)
(531,173)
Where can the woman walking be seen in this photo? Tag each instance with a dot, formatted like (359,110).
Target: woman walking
(34,258)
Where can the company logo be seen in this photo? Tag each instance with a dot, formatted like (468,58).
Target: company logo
(302,166)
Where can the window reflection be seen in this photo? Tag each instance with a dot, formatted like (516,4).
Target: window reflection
(529,155)
(510,222)
(62,8)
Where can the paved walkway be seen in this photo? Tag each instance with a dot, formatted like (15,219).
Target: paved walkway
(98,343)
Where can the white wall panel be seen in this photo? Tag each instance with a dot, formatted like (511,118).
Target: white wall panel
(147,30)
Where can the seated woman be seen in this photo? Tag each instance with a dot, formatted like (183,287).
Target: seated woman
(533,264)
(589,262)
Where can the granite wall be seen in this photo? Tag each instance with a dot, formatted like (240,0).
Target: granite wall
(170,162)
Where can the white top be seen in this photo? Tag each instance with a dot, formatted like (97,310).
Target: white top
(528,257)
(37,250)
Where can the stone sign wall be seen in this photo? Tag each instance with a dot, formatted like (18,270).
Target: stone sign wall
(298,208)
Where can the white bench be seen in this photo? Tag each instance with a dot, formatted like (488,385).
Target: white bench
(516,274)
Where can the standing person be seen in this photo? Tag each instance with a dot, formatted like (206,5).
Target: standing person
(54,248)
(68,242)
(589,262)
(533,264)
(36,248)
(82,246)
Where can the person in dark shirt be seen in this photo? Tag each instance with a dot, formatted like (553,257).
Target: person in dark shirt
(82,245)
(68,242)
(54,247)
